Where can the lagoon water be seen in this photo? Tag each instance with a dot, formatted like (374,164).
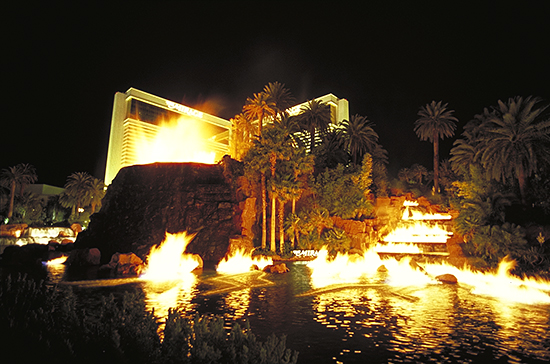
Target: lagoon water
(363,323)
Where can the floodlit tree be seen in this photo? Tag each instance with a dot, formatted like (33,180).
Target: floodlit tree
(258,108)
(314,117)
(77,192)
(435,122)
(17,176)
(360,137)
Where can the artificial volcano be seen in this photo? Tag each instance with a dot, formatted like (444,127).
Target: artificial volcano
(146,201)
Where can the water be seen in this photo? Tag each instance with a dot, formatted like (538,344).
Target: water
(369,322)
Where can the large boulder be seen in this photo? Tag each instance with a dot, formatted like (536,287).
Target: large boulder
(146,201)
(123,265)
(276,268)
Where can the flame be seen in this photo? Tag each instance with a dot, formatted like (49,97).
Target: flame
(500,284)
(169,262)
(57,261)
(241,261)
(355,269)
(177,141)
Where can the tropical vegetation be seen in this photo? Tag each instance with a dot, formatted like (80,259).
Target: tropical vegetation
(81,197)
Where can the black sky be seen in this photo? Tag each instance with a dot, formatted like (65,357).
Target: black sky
(62,65)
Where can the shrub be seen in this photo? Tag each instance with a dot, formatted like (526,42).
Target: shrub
(40,321)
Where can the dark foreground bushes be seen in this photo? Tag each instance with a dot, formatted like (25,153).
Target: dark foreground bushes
(42,324)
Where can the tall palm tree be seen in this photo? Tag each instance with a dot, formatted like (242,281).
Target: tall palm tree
(258,108)
(314,117)
(360,137)
(279,148)
(77,192)
(19,175)
(516,140)
(280,96)
(435,122)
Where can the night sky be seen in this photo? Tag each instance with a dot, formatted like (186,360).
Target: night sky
(63,64)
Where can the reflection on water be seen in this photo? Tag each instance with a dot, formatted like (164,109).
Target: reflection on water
(161,296)
(368,321)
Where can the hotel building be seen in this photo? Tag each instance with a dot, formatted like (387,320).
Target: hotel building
(137,115)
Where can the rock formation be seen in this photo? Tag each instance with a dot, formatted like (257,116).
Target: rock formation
(146,201)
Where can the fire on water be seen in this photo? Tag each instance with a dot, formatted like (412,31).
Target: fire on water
(350,269)
(169,261)
(241,261)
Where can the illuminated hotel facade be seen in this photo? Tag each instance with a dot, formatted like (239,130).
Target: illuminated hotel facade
(137,114)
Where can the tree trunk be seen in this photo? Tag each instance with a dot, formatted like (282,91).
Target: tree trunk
(273,240)
(436,163)
(12,199)
(264,212)
(293,236)
(260,122)
(311,139)
(521,183)
(281,227)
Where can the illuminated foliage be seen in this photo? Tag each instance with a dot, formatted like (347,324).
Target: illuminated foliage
(344,192)
(17,176)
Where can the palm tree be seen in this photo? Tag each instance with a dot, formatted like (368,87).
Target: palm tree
(464,151)
(280,96)
(279,148)
(435,122)
(515,141)
(259,107)
(315,116)
(419,172)
(332,150)
(97,192)
(405,174)
(77,192)
(360,137)
(19,175)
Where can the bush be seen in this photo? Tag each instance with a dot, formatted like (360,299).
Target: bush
(41,322)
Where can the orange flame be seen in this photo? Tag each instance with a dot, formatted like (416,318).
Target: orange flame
(241,261)
(176,141)
(353,269)
(169,262)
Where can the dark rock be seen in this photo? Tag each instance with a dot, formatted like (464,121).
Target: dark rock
(146,201)
(447,278)
(86,257)
(26,255)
